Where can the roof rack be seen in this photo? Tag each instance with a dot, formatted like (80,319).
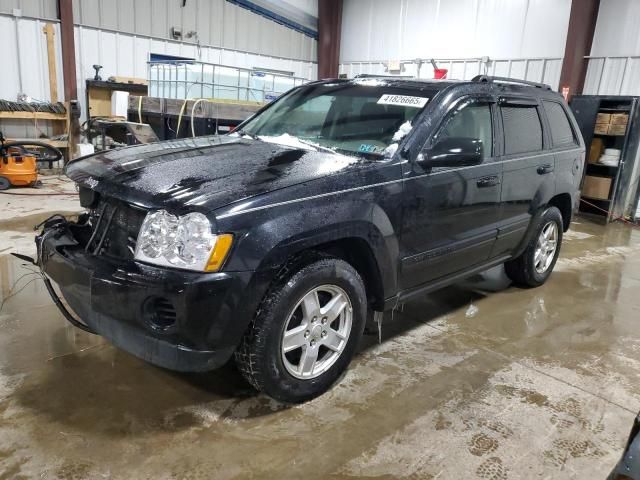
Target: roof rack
(371,75)
(515,81)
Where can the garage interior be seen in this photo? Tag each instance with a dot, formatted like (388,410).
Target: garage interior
(478,380)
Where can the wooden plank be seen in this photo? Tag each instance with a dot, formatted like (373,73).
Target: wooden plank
(49,31)
(53,143)
(129,80)
(34,116)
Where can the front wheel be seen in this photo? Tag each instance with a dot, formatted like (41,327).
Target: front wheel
(533,267)
(305,331)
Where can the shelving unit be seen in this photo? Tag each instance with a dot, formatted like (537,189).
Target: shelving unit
(61,122)
(586,109)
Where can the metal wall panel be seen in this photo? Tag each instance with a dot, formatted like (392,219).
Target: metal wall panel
(43,9)
(545,70)
(614,64)
(617,29)
(396,29)
(613,76)
(217,22)
(121,54)
(24,48)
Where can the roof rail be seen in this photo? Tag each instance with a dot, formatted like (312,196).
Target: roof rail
(515,81)
(371,75)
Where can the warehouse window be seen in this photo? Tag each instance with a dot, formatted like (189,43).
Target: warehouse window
(473,120)
(561,132)
(522,129)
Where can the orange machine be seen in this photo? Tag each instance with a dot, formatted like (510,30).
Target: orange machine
(18,165)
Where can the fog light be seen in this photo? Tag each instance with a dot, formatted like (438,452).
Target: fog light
(159,313)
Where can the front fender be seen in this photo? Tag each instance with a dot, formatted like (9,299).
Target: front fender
(269,237)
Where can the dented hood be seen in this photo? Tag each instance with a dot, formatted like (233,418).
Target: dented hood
(202,173)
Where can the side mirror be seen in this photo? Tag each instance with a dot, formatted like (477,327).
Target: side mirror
(453,152)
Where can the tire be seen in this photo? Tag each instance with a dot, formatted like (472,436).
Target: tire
(4,183)
(290,308)
(532,269)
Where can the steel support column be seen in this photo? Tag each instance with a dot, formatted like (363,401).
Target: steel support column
(329,26)
(65,13)
(582,25)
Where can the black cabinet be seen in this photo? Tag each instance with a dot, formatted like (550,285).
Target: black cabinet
(609,189)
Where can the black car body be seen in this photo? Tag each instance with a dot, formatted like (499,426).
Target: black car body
(628,468)
(423,213)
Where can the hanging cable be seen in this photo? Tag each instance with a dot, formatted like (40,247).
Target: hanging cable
(184,104)
(140,109)
(193,109)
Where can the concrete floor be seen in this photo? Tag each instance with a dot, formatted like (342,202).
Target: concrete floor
(480,380)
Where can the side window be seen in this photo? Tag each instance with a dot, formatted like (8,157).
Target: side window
(561,131)
(472,120)
(522,129)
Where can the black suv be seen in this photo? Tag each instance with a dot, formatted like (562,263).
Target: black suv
(341,199)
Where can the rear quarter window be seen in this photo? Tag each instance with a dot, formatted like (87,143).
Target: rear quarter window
(561,131)
(522,129)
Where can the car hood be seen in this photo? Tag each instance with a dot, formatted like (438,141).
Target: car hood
(202,173)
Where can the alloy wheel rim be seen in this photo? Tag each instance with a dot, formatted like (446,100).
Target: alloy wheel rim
(546,247)
(316,331)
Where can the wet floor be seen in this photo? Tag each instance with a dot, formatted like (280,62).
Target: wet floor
(481,380)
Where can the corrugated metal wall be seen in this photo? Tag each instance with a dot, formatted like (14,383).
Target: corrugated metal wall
(397,29)
(120,54)
(218,23)
(614,65)
(24,53)
(41,9)
(456,33)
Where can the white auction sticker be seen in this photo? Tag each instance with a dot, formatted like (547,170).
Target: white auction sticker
(404,100)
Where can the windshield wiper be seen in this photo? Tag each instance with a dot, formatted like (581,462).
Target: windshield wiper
(315,145)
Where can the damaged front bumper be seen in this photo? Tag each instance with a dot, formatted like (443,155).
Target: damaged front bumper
(175,319)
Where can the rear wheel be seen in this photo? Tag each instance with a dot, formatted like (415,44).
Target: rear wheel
(4,183)
(305,331)
(534,266)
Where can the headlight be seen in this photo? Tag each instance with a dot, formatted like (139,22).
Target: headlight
(181,242)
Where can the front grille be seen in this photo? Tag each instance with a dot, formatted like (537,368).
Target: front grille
(114,228)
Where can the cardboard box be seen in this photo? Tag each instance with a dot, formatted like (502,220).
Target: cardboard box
(603,118)
(601,128)
(617,129)
(596,187)
(595,150)
(619,119)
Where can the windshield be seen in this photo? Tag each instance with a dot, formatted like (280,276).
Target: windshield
(346,117)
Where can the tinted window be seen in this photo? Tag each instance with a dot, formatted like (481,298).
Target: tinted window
(522,129)
(472,120)
(561,133)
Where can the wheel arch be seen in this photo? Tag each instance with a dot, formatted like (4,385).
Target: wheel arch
(563,202)
(361,245)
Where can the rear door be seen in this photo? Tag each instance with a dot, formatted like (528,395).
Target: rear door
(566,147)
(528,169)
(451,214)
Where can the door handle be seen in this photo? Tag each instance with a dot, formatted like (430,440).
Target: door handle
(490,181)
(544,169)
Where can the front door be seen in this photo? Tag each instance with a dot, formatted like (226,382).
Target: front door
(451,213)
